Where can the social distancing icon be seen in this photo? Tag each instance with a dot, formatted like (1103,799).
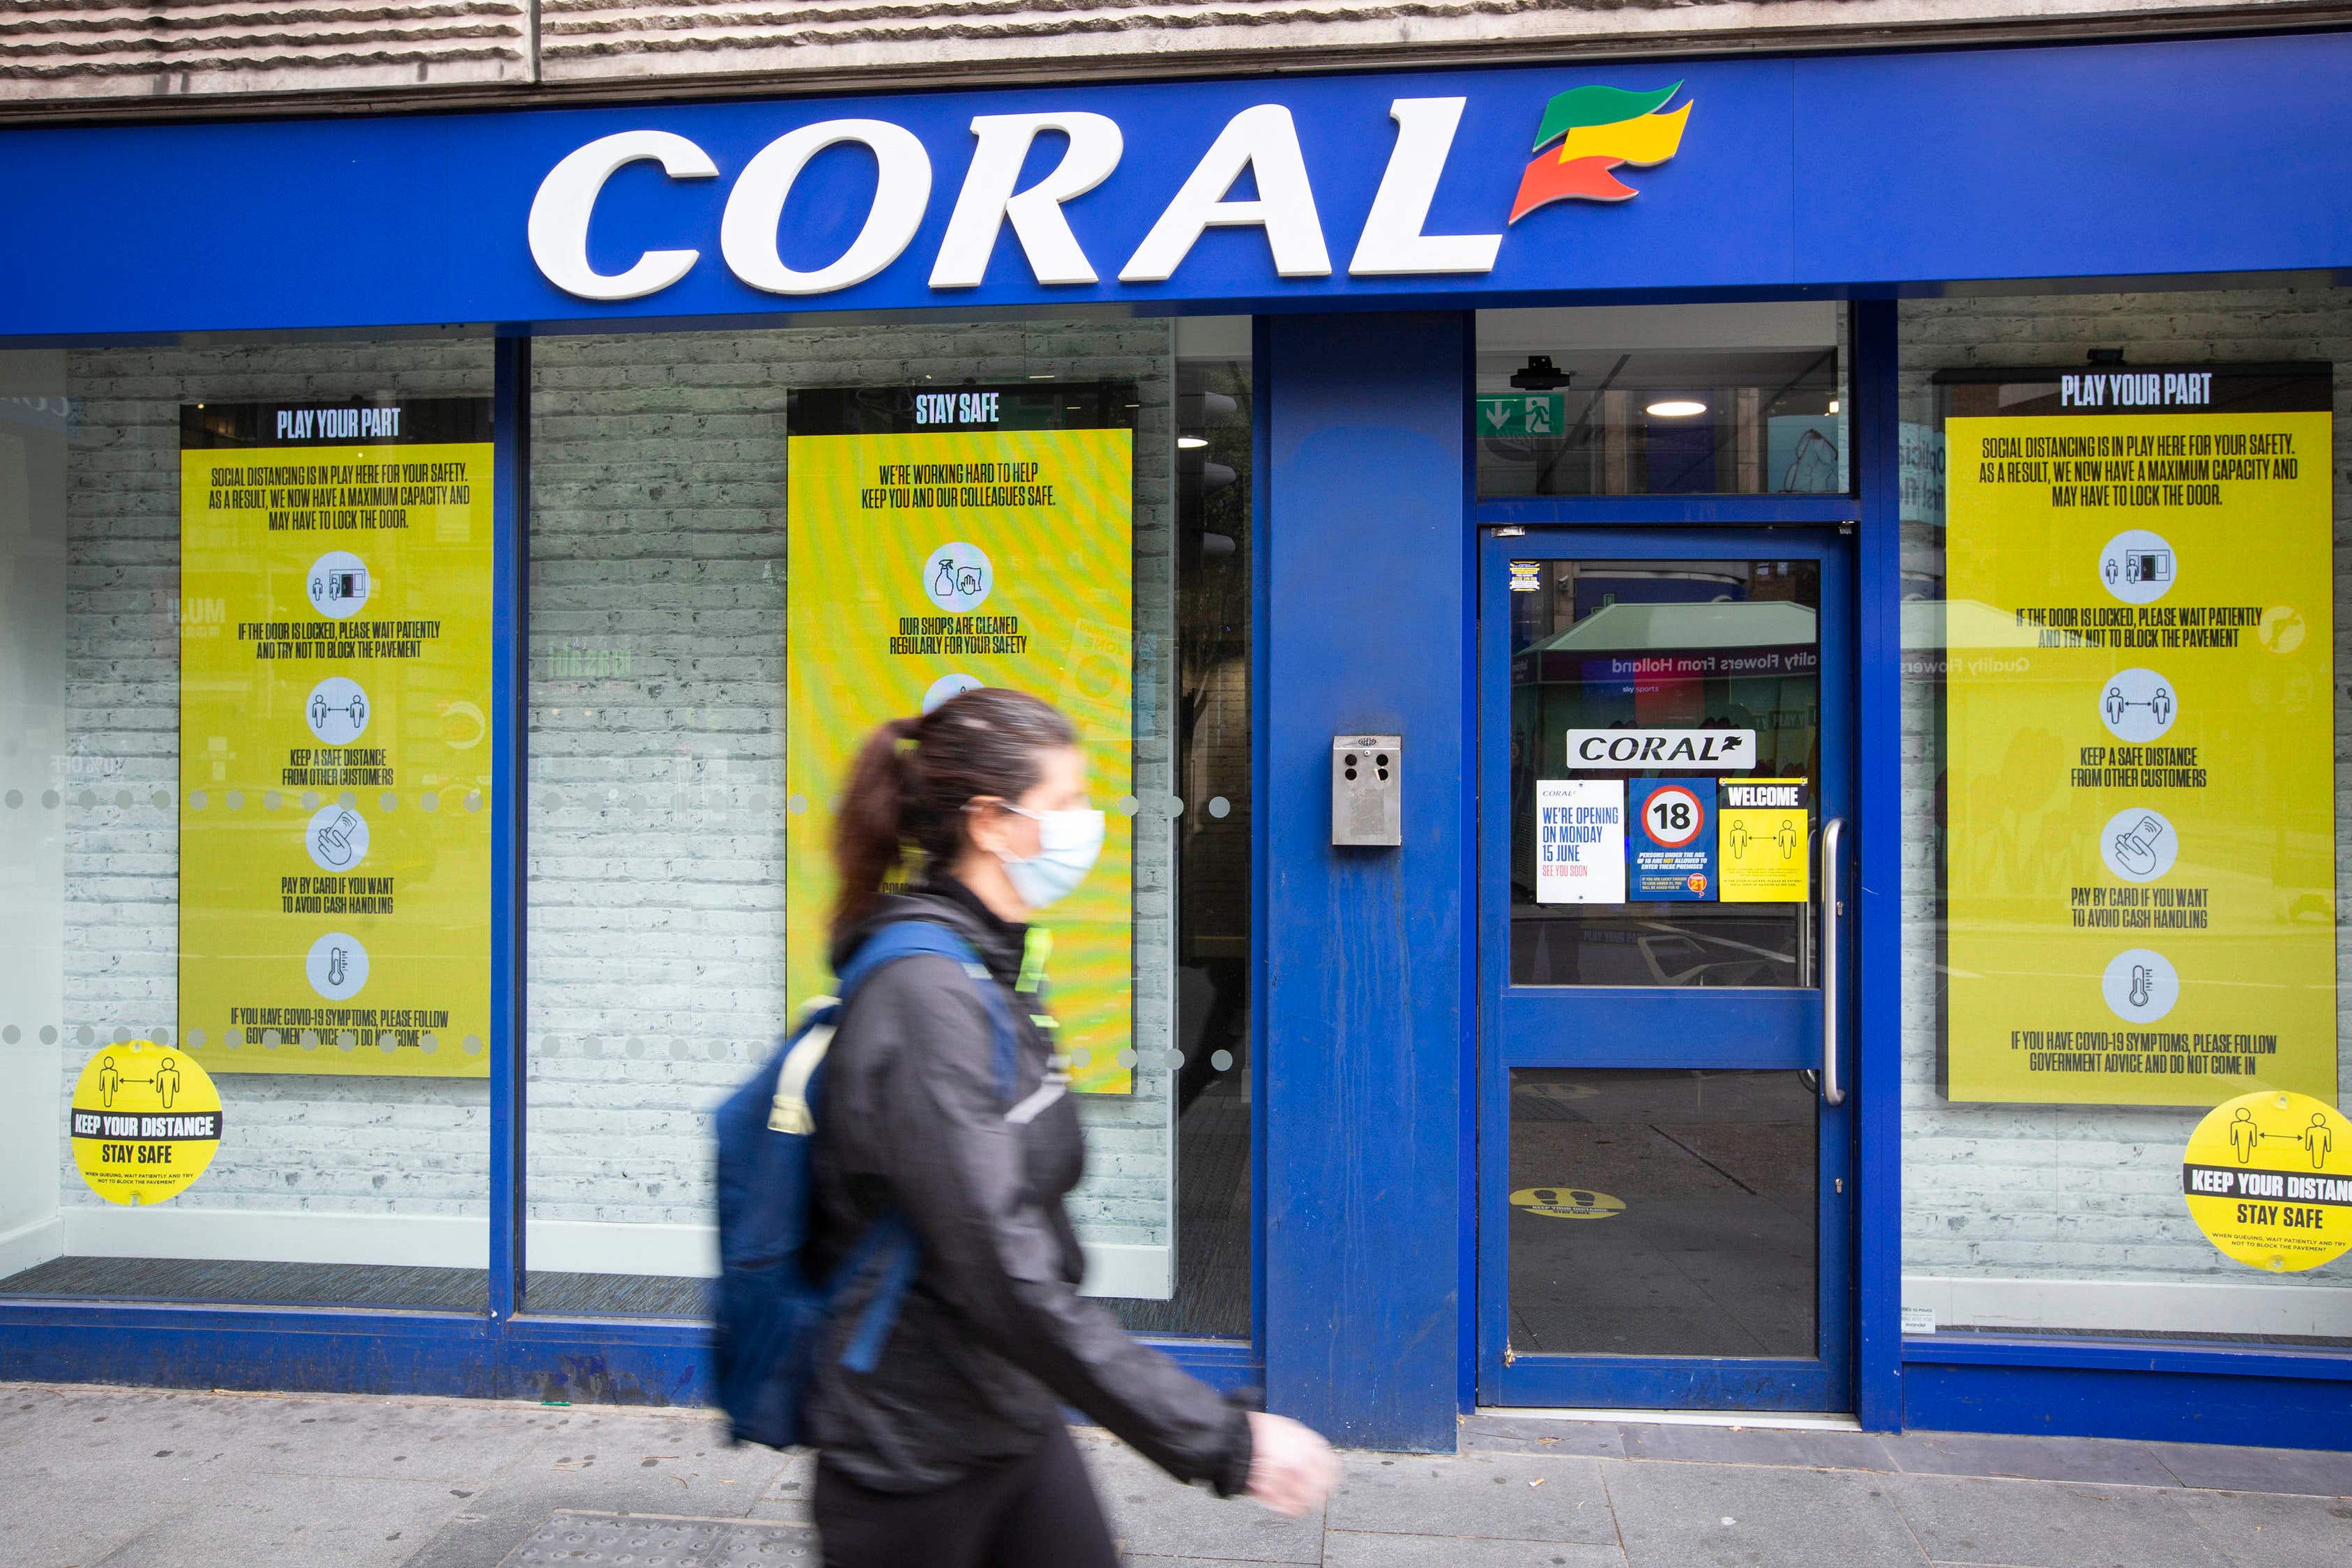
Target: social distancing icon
(1568,1203)
(2268,1178)
(144,1122)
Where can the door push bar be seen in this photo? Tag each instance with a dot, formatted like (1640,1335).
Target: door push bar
(1832,910)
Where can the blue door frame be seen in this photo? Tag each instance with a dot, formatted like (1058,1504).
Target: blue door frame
(1664,1028)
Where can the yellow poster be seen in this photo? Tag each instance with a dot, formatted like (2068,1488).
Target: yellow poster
(145,1122)
(2139,739)
(2268,1178)
(946,541)
(335,756)
(1764,841)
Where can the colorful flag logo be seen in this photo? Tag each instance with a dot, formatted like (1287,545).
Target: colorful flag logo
(1597,128)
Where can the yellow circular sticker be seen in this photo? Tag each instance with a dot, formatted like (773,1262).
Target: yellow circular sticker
(2268,1178)
(145,1122)
(1568,1203)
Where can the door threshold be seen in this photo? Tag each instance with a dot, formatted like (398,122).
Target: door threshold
(1779,1420)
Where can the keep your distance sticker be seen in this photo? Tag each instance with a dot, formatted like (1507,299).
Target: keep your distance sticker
(2268,1178)
(145,1122)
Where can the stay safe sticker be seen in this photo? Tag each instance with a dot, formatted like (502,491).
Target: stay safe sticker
(1568,1203)
(145,1122)
(2268,1178)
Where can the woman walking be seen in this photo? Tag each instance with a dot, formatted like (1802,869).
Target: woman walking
(952,1452)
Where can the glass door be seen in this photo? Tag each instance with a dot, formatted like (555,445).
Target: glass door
(1664,1132)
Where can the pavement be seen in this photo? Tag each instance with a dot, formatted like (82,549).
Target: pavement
(128,1477)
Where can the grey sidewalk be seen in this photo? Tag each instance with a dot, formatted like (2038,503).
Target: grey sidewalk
(127,1477)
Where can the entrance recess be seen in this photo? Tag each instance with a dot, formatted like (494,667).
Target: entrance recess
(1664,1137)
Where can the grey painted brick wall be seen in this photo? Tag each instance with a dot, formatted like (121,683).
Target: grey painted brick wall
(658,694)
(324,1144)
(2078,1193)
(183,56)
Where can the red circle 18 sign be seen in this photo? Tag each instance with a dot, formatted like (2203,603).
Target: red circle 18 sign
(1673,817)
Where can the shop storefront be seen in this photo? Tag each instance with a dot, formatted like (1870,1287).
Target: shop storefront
(1718,679)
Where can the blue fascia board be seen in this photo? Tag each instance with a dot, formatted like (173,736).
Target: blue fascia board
(2119,159)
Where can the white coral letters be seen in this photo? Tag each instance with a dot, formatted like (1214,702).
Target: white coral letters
(1261,142)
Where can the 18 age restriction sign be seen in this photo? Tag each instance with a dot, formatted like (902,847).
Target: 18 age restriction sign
(1674,841)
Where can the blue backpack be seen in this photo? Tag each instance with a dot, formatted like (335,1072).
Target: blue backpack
(771,1312)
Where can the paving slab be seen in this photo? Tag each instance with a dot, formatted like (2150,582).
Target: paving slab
(2044,1525)
(1485,1434)
(2101,1459)
(622,1538)
(1800,1447)
(1517,1497)
(1152,1513)
(1349,1549)
(2255,1530)
(1701,1516)
(2310,1471)
(344,1520)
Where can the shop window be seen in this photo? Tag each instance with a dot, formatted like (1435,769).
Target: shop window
(244,821)
(707,513)
(1688,399)
(2123,855)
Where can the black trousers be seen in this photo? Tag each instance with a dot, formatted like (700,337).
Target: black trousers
(1035,1512)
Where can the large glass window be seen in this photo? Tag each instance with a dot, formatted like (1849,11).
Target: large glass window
(1642,400)
(706,511)
(245,812)
(2123,860)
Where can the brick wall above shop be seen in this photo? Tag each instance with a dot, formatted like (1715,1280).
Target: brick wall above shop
(87,57)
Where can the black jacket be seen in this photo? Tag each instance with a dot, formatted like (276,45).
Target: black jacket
(993,1337)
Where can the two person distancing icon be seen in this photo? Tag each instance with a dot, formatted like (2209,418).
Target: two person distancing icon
(2319,1139)
(166,1083)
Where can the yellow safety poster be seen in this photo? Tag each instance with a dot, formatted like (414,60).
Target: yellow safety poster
(2139,737)
(942,541)
(1764,853)
(336,593)
(2268,1178)
(145,1121)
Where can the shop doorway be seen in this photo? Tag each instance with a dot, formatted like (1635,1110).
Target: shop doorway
(1665,1178)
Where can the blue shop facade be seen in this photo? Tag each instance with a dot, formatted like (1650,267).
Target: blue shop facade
(1675,847)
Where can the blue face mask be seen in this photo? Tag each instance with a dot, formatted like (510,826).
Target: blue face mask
(1068,845)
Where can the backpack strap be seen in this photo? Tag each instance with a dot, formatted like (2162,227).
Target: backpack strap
(925,938)
(889,1236)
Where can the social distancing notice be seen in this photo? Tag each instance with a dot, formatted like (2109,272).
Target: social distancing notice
(145,1121)
(2268,1178)
(1568,1203)
(1764,841)
(945,540)
(2139,737)
(335,758)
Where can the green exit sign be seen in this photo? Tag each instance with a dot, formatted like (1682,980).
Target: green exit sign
(1520,414)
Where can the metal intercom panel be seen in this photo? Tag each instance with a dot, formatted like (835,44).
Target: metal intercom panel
(1367,790)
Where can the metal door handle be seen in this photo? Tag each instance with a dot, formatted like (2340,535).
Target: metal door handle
(1833,907)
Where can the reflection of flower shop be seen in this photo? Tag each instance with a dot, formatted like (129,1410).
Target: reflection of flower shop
(1845,855)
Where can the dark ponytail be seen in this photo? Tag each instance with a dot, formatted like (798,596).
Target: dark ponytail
(913,778)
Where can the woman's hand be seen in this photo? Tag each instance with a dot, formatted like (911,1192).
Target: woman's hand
(1291,1469)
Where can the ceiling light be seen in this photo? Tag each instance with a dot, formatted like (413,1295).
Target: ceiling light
(1677,408)
(1188,442)
(1040,375)
(1834,405)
